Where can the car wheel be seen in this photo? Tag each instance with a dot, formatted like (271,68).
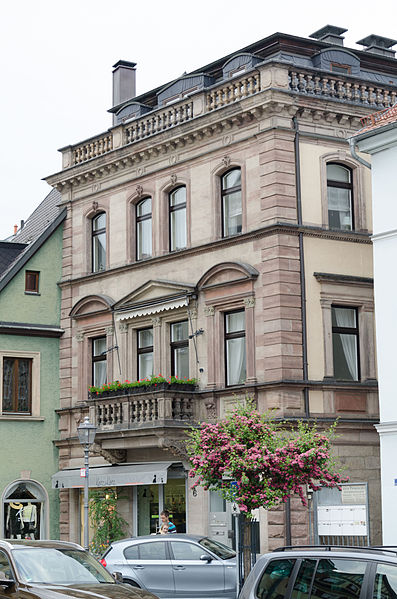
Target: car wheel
(132,583)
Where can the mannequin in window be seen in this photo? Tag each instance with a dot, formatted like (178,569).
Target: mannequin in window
(14,520)
(29,520)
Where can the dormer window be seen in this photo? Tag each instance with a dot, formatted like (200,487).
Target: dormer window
(343,69)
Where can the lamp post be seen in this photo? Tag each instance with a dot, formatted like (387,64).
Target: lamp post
(86,432)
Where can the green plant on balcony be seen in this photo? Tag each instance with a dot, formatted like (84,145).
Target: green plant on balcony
(152,383)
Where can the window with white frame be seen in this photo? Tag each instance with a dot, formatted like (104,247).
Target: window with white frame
(232,214)
(340,197)
(99,242)
(180,349)
(99,362)
(144,229)
(235,354)
(145,353)
(345,343)
(177,219)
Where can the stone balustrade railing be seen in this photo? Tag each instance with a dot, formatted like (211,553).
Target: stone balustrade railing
(144,409)
(338,88)
(233,91)
(158,122)
(92,148)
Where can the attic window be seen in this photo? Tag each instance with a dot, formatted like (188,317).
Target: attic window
(239,71)
(180,96)
(31,281)
(343,69)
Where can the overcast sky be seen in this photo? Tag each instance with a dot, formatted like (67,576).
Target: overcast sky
(56,63)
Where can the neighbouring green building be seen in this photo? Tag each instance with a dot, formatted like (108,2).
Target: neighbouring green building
(30,301)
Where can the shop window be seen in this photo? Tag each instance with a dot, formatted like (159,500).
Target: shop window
(340,197)
(99,242)
(145,353)
(23,507)
(180,349)
(235,347)
(32,281)
(17,385)
(99,362)
(232,215)
(345,343)
(177,219)
(144,229)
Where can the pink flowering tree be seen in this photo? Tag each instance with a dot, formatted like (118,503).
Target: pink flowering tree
(269,460)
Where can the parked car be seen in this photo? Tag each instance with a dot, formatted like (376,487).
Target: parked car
(55,570)
(177,565)
(326,572)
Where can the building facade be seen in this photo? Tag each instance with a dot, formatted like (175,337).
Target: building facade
(30,304)
(378,138)
(220,230)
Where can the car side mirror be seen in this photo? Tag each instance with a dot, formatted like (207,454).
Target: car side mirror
(117,576)
(206,558)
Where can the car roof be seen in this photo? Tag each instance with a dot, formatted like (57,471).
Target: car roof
(333,552)
(168,537)
(23,543)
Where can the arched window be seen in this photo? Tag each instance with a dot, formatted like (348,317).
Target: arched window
(339,197)
(177,219)
(232,214)
(144,229)
(99,242)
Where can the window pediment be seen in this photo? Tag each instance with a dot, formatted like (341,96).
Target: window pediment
(227,273)
(92,304)
(152,295)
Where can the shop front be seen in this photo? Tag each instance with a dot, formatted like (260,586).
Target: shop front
(24,511)
(143,491)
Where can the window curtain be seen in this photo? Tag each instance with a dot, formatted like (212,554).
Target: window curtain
(178,229)
(236,361)
(346,317)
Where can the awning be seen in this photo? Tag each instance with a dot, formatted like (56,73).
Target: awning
(153,308)
(154,473)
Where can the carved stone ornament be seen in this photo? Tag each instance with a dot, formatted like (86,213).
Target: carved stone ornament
(109,330)
(79,336)
(139,190)
(209,311)
(211,410)
(95,206)
(113,456)
(123,327)
(226,161)
(249,302)
(176,446)
(174,179)
(192,313)
(156,321)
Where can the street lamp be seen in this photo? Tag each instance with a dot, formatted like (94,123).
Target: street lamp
(86,432)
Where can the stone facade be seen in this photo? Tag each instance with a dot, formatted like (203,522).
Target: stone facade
(285,268)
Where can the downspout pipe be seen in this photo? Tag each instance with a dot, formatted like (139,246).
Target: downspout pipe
(302,266)
(352,144)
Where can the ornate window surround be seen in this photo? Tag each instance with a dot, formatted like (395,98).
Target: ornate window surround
(95,209)
(357,172)
(162,227)
(141,193)
(355,292)
(221,169)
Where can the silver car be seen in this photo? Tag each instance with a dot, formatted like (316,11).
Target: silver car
(175,565)
(327,572)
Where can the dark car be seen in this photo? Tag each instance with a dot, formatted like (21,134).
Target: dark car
(326,572)
(175,565)
(54,570)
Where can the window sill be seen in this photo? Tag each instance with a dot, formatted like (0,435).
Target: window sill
(32,293)
(23,417)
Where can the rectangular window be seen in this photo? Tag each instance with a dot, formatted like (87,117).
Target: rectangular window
(32,281)
(343,69)
(180,349)
(17,385)
(145,353)
(345,343)
(99,365)
(235,347)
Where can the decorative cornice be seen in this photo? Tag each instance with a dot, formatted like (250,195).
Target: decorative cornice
(288,228)
(337,278)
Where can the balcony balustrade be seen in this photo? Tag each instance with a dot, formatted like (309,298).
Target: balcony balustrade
(145,409)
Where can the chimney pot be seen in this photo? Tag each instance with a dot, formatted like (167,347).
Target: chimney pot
(15,229)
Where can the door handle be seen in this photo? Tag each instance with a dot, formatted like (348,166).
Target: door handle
(179,568)
(138,567)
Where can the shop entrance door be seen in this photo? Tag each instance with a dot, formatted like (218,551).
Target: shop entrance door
(151,500)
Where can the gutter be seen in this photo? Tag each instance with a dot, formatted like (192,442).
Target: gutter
(352,144)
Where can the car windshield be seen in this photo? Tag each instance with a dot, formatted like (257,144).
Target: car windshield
(218,548)
(59,566)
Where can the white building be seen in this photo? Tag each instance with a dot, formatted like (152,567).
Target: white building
(379,138)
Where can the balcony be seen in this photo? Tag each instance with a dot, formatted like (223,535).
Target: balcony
(147,409)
